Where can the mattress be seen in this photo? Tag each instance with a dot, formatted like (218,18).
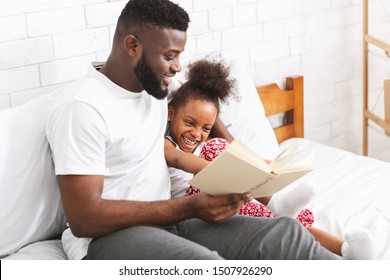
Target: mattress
(352,191)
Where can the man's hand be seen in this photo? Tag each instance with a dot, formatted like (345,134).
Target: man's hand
(216,209)
(219,130)
(89,215)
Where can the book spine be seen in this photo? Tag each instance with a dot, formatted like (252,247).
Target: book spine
(258,185)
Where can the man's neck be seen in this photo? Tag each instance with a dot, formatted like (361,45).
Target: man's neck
(120,74)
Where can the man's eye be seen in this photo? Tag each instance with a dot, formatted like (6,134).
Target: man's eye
(169,58)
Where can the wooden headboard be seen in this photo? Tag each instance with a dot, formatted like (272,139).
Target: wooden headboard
(288,102)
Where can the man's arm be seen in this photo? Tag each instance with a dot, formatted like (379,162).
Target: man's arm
(219,130)
(89,215)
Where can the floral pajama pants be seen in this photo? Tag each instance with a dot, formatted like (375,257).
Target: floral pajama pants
(211,149)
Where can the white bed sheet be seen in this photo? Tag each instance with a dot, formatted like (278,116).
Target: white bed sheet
(352,191)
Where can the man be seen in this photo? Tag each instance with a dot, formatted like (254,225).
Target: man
(106,136)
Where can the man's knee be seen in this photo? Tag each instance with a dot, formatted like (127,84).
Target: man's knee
(289,222)
(289,228)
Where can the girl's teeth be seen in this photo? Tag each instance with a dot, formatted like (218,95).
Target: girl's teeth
(189,142)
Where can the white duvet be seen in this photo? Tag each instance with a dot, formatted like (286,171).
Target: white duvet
(352,191)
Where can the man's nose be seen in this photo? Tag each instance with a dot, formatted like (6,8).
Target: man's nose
(176,66)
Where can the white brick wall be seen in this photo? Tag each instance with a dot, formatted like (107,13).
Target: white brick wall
(244,15)
(18,30)
(45,44)
(269,10)
(17,79)
(25,52)
(204,5)
(241,36)
(103,14)
(21,7)
(64,70)
(4,101)
(52,21)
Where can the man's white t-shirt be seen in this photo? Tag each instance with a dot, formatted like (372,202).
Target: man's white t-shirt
(99,128)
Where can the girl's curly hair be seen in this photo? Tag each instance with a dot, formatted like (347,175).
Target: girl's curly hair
(208,80)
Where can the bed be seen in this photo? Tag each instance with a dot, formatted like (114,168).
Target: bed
(352,190)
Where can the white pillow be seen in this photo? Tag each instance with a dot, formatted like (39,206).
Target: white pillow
(31,208)
(43,250)
(245,118)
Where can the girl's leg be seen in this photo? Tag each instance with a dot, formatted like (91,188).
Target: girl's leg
(327,240)
(290,202)
(213,148)
(358,245)
(264,200)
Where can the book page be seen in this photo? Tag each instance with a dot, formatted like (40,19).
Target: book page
(228,174)
(278,182)
(281,162)
(245,153)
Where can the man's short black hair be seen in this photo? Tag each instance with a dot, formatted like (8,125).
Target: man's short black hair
(155,13)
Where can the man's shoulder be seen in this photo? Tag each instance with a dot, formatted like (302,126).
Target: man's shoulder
(70,96)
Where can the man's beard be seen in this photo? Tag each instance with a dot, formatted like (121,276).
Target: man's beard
(149,80)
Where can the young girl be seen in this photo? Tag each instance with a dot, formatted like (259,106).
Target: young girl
(192,112)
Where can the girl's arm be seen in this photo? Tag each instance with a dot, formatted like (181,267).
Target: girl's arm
(184,161)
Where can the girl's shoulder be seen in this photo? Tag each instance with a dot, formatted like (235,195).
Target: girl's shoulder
(170,139)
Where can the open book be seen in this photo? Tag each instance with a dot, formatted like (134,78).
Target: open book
(238,170)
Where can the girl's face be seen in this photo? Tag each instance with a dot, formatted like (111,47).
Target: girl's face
(191,124)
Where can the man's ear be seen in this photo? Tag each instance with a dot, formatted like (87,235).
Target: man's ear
(171,111)
(132,45)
